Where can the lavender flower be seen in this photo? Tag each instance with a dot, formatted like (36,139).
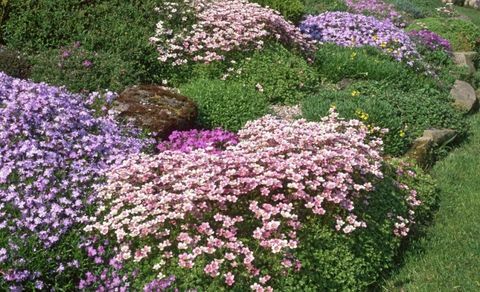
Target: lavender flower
(430,40)
(52,149)
(186,141)
(356,30)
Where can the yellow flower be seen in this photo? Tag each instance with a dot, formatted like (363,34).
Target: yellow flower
(361,114)
(401,133)
(355,93)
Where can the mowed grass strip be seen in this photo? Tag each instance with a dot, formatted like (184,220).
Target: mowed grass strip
(448,257)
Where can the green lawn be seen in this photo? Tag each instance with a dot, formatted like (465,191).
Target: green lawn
(448,258)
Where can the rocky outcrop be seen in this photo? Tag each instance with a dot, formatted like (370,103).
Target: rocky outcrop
(464,96)
(157,109)
(465,59)
(422,148)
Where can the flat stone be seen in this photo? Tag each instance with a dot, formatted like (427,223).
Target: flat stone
(421,150)
(440,136)
(157,109)
(464,96)
(465,59)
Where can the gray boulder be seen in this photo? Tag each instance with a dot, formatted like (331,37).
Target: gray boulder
(464,96)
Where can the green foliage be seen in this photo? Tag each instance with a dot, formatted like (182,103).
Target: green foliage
(462,34)
(225,104)
(118,31)
(14,63)
(405,114)
(284,77)
(69,67)
(290,9)
(334,63)
(319,6)
(332,261)
(3,13)
(417,8)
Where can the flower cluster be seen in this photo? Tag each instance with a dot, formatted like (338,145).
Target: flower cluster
(355,30)
(376,8)
(186,141)
(52,148)
(222,211)
(210,30)
(430,40)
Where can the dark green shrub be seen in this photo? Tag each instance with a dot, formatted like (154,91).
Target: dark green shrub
(225,104)
(291,9)
(332,261)
(461,33)
(117,30)
(412,9)
(417,8)
(14,64)
(405,114)
(280,75)
(319,6)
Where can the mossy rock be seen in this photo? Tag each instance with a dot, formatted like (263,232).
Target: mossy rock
(156,109)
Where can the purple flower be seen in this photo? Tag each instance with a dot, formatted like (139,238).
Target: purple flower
(87,63)
(53,149)
(186,141)
(356,30)
(430,40)
(159,285)
(377,8)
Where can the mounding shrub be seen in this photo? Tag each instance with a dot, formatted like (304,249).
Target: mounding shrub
(225,104)
(376,8)
(116,30)
(335,63)
(316,7)
(399,111)
(53,149)
(207,31)
(290,9)
(277,73)
(462,34)
(236,219)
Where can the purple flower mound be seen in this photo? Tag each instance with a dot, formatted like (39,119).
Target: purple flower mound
(211,140)
(52,148)
(430,40)
(356,30)
(377,8)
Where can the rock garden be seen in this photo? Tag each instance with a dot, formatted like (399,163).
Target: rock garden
(239,145)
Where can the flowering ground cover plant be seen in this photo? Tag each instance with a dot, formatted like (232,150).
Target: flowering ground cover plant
(430,40)
(206,31)
(356,30)
(376,8)
(211,140)
(52,148)
(231,219)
